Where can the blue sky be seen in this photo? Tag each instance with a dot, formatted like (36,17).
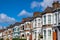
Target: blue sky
(14,10)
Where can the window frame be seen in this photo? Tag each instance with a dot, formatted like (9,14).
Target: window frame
(49,19)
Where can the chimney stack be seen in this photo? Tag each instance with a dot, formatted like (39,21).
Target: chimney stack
(56,4)
(37,14)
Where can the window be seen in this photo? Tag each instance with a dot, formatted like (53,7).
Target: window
(44,19)
(49,34)
(28,34)
(18,32)
(35,23)
(56,18)
(59,17)
(22,35)
(35,20)
(23,28)
(44,34)
(35,35)
(17,29)
(39,20)
(6,32)
(38,24)
(9,31)
(28,25)
(49,19)
(14,29)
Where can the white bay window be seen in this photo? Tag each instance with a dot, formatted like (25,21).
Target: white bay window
(49,34)
(44,19)
(44,34)
(49,19)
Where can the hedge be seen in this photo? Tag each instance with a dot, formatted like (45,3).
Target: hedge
(18,39)
(22,39)
(1,38)
(15,38)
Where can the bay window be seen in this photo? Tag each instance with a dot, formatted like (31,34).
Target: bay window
(49,34)
(59,18)
(56,18)
(44,34)
(35,22)
(38,22)
(49,19)
(44,19)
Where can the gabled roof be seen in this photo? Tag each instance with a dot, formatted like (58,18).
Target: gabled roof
(48,10)
(17,24)
(55,5)
(13,25)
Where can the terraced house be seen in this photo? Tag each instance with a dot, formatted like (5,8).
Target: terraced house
(16,30)
(26,28)
(42,26)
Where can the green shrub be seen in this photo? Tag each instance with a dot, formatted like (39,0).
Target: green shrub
(15,38)
(1,38)
(18,39)
(22,39)
(7,39)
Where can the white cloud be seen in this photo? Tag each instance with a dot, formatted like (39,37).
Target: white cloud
(35,4)
(0,27)
(24,13)
(42,4)
(6,19)
(46,3)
